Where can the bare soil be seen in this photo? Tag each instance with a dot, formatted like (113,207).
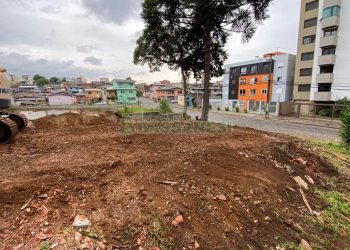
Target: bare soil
(232,190)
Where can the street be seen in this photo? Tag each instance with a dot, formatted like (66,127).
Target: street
(303,131)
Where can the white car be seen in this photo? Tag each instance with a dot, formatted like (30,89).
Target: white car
(173,101)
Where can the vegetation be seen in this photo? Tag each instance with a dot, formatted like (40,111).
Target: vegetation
(218,108)
(237,109)
(337,154)
(139,93)
(164,106)
(191,35)
(159,236)
(289,246)
(335,217)
(227,109)
(345,127)
(40,80)
(131,109)
(54,79)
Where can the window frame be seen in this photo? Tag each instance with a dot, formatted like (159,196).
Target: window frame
(305,69)
(252,94)
(243,70)
(333,11)
(311,5)
(308,57)
(304,87)
(311,37)
(325,87)
(312,22)
(326,51)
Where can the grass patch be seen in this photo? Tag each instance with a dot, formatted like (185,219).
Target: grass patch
(289,246)
(158,236)
(132,109)
(336,154)
(336,216)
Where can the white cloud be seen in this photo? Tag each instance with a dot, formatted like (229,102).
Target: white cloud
(60,35)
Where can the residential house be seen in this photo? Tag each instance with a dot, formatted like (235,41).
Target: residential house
(93,95)
(75,89)
(197,91)
(62,99)
(322,74)
(250,85)
(169,93)
(126,91)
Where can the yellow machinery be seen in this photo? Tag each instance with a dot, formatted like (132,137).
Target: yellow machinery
(10,123)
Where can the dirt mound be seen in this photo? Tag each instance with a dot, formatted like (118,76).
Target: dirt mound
(71,120)
(161,191)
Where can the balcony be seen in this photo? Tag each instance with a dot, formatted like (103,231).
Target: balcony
(328,41)
(324,78)
(330,22)
(323,96)
(326,60)
(330,3)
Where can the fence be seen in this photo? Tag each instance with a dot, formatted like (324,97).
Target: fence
(319,111)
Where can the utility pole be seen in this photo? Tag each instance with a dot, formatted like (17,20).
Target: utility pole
(267,113)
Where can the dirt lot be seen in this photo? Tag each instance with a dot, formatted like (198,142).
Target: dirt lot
(232,190)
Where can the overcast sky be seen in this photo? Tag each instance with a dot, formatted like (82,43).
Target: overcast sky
(97,38)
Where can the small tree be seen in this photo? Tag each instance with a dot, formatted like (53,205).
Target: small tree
(54,79)
(164,106)
(345,127)
(42,81)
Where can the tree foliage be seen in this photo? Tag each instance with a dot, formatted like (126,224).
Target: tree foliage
(42,81)
(191,35)
(345,126)
(54,79)
(164,106)
(37,77)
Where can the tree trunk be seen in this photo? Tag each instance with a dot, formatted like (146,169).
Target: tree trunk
(206,94)
(184,80)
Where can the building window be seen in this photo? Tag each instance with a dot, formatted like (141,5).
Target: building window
(242,92)
(252,92)
(130,91)
(309,39)
(279,78)
(328,51)
(280,65)
(331,11)
(324,87)
(233,82)
(330,32)
(243,81)
(310,22)
(266,67)
(304,87)
(326,69)
(264,91)
(306,72)
(244,71)
(265,79)
(122,91)
(311,6)
(254,69)
(253,80)
(307,56)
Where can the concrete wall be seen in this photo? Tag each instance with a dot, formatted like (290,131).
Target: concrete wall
(62,100)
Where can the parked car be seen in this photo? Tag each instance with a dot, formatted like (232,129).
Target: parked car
(173,101)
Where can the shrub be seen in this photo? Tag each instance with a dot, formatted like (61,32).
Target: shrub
(325,112)
(227,109)
(164,106)
(218,108)
(345,126)
(237,109)
(245,111)
(210,107)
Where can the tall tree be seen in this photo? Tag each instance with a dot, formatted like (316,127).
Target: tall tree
(214,20)
(54,79)
(165,40)
(201,28)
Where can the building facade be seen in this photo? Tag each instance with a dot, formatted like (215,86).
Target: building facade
(62,99)
(169,93)
(322,74)
(251,84)
(93,95)
(126,91)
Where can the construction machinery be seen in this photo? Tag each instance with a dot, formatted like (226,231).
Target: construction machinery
(10,123)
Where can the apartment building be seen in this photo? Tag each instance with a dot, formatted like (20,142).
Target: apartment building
(323,59)
(251,84)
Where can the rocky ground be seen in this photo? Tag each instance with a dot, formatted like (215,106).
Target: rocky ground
(241,189)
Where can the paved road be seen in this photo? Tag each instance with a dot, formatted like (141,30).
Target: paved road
(278,126)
